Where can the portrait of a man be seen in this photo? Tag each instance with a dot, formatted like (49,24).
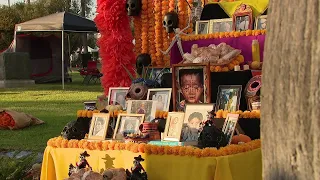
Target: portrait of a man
(146,107)
(162,96)
(98,129)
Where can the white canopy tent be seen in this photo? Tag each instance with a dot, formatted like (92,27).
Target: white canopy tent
(58,22)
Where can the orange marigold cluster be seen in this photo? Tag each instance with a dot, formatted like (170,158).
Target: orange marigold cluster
(137,34)
(158,32)
(228,67)
(59,142)
(151,33)
(246,114)
(223,35)
(166,40)
(86,113)
(145,26)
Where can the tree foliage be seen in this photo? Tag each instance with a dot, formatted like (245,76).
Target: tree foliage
(21,12)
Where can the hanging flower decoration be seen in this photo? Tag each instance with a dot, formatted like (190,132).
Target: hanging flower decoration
(151,33)
(145,26)
(137,34)
(59,142)
(158,32)
(223,35)
(116,48)
(166,41)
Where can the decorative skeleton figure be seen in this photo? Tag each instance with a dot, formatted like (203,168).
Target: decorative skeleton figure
(177,37)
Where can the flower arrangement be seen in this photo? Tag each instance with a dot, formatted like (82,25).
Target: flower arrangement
(246,114)
(6,120)
(228,67)
(224,35)
(59,142)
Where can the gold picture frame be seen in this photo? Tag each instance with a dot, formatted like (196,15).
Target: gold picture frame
(174,126)
(261,22)
(99,126)
(164,93)
(123,127)
(221,25)
(202,27)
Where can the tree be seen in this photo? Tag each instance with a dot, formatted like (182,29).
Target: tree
(290,95)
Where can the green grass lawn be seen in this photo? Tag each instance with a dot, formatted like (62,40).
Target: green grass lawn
(49,103)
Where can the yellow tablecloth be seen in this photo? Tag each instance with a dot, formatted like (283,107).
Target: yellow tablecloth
(243,166)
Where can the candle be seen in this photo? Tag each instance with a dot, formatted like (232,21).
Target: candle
(255,51)
(246,67)
(237,68)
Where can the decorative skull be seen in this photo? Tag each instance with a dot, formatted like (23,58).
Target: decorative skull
(133,7)
(170,21)
(143,60)
(74,130)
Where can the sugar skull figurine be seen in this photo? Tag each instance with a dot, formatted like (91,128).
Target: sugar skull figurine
(133,7)
(83,163)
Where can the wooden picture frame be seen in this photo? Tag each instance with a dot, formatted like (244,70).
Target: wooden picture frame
(146,107)
(227,94)
(164,93)
(136,121)
(112,95)
(261,22)
(202,27)
(98,121)
(221,25)
(173,127)
(155,71)
(229,126)
(242,18)
(178,71)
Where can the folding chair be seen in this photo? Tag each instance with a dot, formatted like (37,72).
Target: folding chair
(91,73)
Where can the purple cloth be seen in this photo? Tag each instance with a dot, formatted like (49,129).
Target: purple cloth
(244,43)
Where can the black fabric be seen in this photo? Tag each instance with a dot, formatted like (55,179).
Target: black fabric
(72,22)
(213,11)
(265,12)
(251,127)
(217,79)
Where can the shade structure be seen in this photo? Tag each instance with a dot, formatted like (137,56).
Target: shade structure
(63,21)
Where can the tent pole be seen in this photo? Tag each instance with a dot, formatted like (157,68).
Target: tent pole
(15,41)
(69,64)
(62,57)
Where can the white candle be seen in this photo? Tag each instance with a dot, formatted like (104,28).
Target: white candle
(237,68)
(246,67)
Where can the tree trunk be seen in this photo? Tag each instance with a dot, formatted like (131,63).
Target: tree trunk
(84,35)
(290,95)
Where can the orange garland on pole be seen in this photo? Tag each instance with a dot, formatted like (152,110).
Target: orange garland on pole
(158,32)
(137,34)
(181,14)
(166,42)
(144,29)
(151,34)
(190,30)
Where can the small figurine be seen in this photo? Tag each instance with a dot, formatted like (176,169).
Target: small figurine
(137,171)
(83,163)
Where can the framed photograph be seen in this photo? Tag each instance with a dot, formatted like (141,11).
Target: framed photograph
(174,125)
(146,107)
(230,125)
(221,25)
(228,97)
(242,18)
(117,96)
(99,126)
(191,84)
(202,27)
(162,96)
(157,72)
(127,124)
(195,114)
(261,22)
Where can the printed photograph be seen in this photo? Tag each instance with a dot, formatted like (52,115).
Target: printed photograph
(127,124)
(230,126)
(228,98)
(202,27)
(162,96)
(221,25)
(117,96)
(99,126)
(146,107)
(261,22)
(174,125)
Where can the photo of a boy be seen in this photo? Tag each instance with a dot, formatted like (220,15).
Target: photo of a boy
(191,86)
(190,131)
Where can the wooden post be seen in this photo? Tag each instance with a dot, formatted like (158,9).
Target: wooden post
(290,93)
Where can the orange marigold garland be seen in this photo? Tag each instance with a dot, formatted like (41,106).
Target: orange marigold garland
(158,32)
(166,40)
(59,142)
(190,29)
(151,32)
(145,26)
(137,34)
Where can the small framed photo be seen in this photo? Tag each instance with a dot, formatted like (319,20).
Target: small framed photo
(174,125)
(202,27)
(191,84)
(146,107)
(221,25)
(242,18)
(230,125)
(99,126)
(117,96)
(162,96)
(195,114)
(127,124)
(228,97)
(157,72)
(261,22)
